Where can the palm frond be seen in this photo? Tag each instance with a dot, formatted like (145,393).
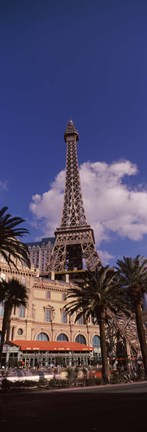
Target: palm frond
(11,248)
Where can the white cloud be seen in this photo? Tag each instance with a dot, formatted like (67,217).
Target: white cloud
(111,205)
(105,257)
(3,186)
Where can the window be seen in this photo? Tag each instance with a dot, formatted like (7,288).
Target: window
(21,311)
(81,339)
(23,280)
(20,331)
(96,341)
(63,296)
(14,310)
(63,317)
(62,337)
(81,320)
(42,337)
(2,275)
(1,310)
(48,294)
(48,315)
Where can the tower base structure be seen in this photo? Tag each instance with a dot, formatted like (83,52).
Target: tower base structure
(74,251)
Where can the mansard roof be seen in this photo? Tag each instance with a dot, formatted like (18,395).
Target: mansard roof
(43,241)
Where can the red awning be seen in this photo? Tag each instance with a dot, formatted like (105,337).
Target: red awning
(29,345)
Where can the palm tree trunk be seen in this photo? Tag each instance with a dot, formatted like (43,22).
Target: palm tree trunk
(141,336)
(4,328)
(1,345)
(8,324)
(105,368)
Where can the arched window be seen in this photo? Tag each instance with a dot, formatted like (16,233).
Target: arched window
(96,341)
(62,337)
(81,339)
(42,337)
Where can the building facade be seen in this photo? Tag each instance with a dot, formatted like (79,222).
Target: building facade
(40,252)
(44,319)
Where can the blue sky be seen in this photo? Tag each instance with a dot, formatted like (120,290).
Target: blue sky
(85,60)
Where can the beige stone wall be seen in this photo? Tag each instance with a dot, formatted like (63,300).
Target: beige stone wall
(43,294)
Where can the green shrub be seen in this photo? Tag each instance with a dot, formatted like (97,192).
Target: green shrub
(25,383)
(116,378)
(80,382)
(43,382)
(92,381)
(58,383)
(98,381)
(72,375)
(7,385)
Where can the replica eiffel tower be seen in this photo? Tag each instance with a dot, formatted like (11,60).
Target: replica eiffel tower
(74,248)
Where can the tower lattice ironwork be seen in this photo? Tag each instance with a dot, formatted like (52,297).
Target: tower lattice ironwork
(74,244)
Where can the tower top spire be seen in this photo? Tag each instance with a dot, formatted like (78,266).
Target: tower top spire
(71,130)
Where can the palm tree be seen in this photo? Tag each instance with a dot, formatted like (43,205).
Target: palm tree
(12,249)
(132,273)
(12,294)
(98,294)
